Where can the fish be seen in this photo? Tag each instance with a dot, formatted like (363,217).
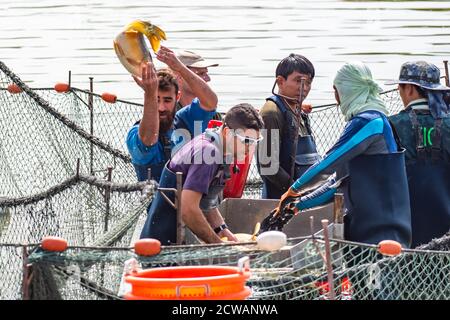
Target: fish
(131,48)
(246,237)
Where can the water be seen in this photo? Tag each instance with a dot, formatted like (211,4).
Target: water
(42,41)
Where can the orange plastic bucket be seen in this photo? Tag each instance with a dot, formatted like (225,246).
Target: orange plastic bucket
(190,283)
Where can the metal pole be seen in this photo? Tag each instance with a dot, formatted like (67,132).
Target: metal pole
(338,216)
(91,123)
(70,78)
(181,234)
(331,295)
(78,168)
(149,174)
(25,276)
(447,80)
(108,199)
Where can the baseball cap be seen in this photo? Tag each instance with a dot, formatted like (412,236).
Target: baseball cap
(191,59)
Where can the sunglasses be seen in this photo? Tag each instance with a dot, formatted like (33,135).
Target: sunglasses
(247,140)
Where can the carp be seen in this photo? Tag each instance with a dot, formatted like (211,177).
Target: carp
(131,48)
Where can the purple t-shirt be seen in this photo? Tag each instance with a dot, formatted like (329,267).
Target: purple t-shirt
(199,161)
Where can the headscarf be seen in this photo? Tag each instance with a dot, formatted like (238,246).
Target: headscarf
(357,90)
(438,103)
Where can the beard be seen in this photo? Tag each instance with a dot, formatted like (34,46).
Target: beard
(166,123)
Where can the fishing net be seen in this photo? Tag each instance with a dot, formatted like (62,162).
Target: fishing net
(65,172)
(40,146)
(104,126)
(84,210)
(58,179)
(298,271)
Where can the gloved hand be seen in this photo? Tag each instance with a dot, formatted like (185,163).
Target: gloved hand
(278,217)
(286,196)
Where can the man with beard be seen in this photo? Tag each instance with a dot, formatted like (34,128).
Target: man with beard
(204,163)
(150,141)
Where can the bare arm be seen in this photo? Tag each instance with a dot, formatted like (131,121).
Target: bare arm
(194,219)
(215,220)
(208,99)
(149,126)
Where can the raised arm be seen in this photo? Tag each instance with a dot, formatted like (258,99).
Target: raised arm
(208,99)
(358,135)
(149,126)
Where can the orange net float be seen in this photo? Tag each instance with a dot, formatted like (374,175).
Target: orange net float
(307,108)
(56,244)
(389,248)
(14,88)
(62,87)
(147,247)
(109,97)
(190,283)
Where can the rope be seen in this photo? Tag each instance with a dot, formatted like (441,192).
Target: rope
(45,105)
(70,182)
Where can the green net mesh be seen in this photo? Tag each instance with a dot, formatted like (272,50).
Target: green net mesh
(44,192)
(297,271)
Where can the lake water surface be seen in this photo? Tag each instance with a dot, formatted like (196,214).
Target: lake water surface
(42,40)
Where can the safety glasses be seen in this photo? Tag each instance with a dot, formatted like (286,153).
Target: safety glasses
(247,140)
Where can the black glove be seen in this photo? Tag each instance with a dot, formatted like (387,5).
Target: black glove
(277,220)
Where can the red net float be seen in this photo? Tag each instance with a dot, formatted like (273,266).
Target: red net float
(389,248)
(56,244)
(14,88)
(62,87)
(147,247)
(109,97)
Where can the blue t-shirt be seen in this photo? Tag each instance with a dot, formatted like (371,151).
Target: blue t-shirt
(185,118)
(193,118)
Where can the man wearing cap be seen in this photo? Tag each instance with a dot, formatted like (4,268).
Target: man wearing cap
(152,139)
(188,118)
(424,131)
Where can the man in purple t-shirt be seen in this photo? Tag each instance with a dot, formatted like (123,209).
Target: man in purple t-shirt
(205,165)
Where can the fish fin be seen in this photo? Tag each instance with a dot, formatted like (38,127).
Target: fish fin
(154,42)
(160,33)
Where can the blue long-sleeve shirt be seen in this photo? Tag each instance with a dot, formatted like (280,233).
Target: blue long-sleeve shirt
(367,133)
(189,115)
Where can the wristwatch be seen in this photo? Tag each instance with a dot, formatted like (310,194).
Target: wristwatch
(220,228)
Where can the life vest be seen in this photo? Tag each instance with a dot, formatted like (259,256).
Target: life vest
(162,217)
(428,169)
(306,155)
(297,153)
(234,186)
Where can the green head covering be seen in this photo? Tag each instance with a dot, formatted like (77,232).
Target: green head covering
(357,90)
